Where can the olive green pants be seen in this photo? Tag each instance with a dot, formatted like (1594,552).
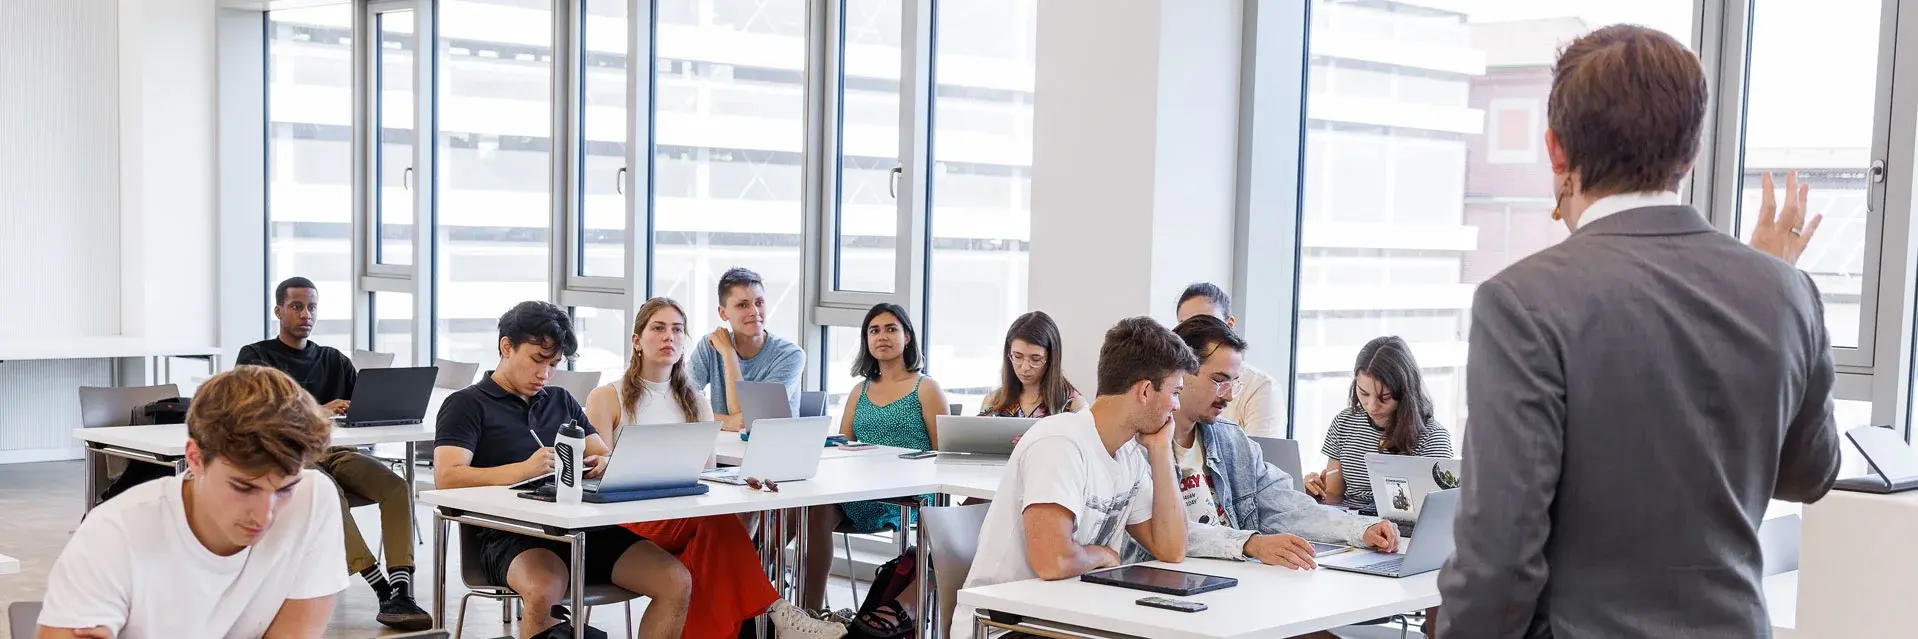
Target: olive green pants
(360,474)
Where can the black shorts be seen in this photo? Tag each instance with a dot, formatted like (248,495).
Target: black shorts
(499,548)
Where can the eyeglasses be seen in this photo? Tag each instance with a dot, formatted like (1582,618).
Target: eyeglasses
(1020,359)
(1237,386)
(755,484)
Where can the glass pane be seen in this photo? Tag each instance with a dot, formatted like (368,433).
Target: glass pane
(603,67)
(981,211)
(310,163)
(393,209)
(393,327)
(868,145)
(1827,139)
(1425,174)
(727,167)
(495,169)
(604,336)
(842,345)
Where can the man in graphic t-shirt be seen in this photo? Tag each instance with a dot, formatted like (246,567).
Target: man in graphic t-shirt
(247,544)
(1078,483)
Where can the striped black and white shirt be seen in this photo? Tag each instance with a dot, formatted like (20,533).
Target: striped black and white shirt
(1353,436)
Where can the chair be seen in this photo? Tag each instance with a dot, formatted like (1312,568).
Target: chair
(812,403)
(363,360)
(1778,543)
(579,383)
(102,406)
(955,409)
(953,533)
(479,585)
(23,619)
(1283,453)
(454,375)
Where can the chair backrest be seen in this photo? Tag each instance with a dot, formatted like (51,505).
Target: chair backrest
(454,375)
(23,619)
(1283,453)
(1778,543)
(363,360)
(954,535)
(579,383)
(812,404)
(113,405)
(472,568)
(955,409)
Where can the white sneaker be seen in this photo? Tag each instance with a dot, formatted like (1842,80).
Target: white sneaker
(794,623)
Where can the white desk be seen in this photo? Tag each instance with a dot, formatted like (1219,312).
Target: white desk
(730,450)
(1781,600)
(9,565)
(1269,601)
(155,352)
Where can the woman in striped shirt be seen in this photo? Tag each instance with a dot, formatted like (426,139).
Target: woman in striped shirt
(1389,413)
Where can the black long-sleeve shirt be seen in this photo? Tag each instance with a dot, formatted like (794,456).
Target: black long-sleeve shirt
(323,371)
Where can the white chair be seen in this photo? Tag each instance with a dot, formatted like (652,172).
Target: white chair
(454,375)
(479,585)
(953,532)
(363,360)
(1283,453)
(578,383)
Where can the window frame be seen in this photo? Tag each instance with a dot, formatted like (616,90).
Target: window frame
(415,279)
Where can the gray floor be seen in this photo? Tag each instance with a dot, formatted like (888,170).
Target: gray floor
(42,506)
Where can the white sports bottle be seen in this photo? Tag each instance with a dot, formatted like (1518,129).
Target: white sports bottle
(569,462)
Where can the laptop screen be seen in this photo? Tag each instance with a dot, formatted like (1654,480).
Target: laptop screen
(1886,451)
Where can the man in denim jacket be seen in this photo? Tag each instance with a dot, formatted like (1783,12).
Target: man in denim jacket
(1238,506)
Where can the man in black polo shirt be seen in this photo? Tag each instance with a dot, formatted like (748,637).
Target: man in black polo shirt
(500,432)
(328,375)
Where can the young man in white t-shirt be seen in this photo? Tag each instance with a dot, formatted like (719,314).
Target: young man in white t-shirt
(247,544)
(1079,482)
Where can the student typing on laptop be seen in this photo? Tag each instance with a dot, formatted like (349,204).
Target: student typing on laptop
(1080,483)
(328,375)
(484,440)
(743,350)
(728,584)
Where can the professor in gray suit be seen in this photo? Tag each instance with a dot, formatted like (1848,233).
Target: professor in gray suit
(1639,391)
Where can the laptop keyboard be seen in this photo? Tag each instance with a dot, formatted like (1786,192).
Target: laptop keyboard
(1386,566)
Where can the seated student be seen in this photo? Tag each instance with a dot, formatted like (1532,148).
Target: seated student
(743,350)
(500,431)
(246,544)
(1031,384)
(894,404)
(1077,480)
(729,585)
(1389,413)
(328,375)
(1256,410)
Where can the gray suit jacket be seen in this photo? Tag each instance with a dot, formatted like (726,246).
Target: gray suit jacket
(1637,393)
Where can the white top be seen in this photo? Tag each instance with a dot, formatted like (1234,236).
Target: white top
(1195,488)
(99,348)
(1611,204)
(1062,461)
(657,405)
(135,567)
(1256,409)
(1270,601)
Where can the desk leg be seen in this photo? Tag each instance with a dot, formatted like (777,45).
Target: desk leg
(799,567)
(922,563)
(439,569)
(96,477)
(412,488)
(578,570)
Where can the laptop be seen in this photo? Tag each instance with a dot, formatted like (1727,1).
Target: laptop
(781,449)
(390,397)
(979,440)
(1424,553)
(1400,483)
(647,459)
(1893,464)
(762,400)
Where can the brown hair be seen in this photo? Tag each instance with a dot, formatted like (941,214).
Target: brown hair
(631,386)
(1055,393)
(1139,348)
(1627,105)
(257,419)
(1389,360)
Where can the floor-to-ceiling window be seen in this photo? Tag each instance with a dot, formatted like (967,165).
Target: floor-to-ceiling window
(309,162)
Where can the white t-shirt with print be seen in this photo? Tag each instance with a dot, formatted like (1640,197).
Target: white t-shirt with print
(1195,488)
(1060,460)
(135,567)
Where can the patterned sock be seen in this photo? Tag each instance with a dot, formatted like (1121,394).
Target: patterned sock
(402,577)
(377,579)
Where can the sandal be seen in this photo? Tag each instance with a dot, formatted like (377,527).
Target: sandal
(888,621)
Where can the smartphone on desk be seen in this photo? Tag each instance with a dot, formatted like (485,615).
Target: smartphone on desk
(850,445)
(1171,604)
(919,454)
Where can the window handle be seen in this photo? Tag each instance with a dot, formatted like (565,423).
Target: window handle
(406,179)
(892,182)
(619,181)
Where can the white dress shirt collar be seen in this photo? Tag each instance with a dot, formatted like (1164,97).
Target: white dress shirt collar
(1611,204)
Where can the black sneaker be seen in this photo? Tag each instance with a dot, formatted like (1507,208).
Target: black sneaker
(400,613)
(565,631)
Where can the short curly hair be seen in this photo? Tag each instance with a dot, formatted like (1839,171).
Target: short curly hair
(257,419)
(1141,348)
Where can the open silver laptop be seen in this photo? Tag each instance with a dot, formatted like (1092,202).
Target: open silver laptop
(649,457)
(762,400)
(1423,553)
(779,450)
(1400,484)
(979,440)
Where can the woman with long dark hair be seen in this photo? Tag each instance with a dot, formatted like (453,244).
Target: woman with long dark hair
(729,586)
(1388,412)
(1031,381)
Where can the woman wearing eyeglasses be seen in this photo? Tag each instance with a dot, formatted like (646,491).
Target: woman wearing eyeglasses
(1389,413)
(1031,384)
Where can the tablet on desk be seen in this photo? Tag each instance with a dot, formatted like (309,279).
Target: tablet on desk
(1159,580)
